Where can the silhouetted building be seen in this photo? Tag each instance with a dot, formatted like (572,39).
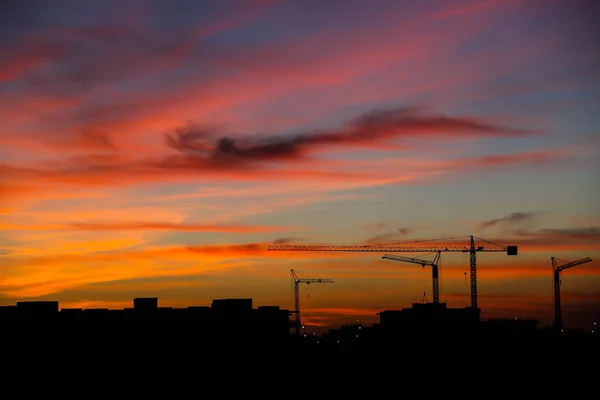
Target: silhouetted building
(230,321)
(271,321)
(428,319)
(200,313)
(234,323)
(232,306)
(145,303)
(37,310)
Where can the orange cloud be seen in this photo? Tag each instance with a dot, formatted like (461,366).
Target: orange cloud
(150,262)
(149,226)
(30,276)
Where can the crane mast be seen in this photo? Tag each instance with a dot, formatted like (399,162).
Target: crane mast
(434,270)
(557,269)
(297,281)
(412,248)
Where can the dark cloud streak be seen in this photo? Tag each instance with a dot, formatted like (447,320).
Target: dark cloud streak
(513,218)
(407,123)
(287,240)
(581,233)
(388,237)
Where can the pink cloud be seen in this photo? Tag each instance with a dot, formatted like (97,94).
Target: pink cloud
(141,113)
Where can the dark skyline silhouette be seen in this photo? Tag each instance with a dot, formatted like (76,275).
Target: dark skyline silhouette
(273,322)
(233,331)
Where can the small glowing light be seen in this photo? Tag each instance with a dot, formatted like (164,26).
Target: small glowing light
(338,341)
(561,330)
(356,335)
(305,335)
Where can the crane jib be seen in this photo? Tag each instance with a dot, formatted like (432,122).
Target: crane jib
(472,249)
(510,250)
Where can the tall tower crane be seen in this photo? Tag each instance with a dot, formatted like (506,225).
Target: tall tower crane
(413,247)
(557,270)
(297,281)
(434,269)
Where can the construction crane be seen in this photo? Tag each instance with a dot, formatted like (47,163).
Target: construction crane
(434,269)
(297,281)
(413,247)
(557,270)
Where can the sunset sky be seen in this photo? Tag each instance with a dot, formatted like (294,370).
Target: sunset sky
(156,148)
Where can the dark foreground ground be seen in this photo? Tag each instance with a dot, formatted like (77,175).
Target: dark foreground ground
(152,361)
(124,342)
